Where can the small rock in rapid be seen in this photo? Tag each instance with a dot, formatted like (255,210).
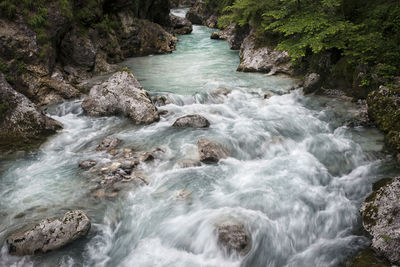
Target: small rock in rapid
(222,91)
(162,112)
(191,121)
(381,218)
(215,36)
(87,164)
(188,163)
(108,144)
(50,234)
(233,238)
(211,152)
(267,96)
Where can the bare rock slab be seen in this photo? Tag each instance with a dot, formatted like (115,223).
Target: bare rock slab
(192,121)
(381,218)
(211,152)
(121,94)
(50,234)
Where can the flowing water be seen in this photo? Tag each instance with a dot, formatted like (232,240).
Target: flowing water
(295,178)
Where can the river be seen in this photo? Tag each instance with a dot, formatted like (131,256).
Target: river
(295,178)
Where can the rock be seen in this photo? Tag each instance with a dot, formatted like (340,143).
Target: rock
(222,91)
(216,36)
(178,25)
(189,163)
(191,121)
(211,152)
(121,94)
(50,234)
(108,144)
(182,3)
(384,111)
(267,96)
(381,218)
(312,83)
(160,101)
(162,112)
(78,49)
(233,238)
(141,37)
(234,34)
(212,21)
(87,164)
(367,258)
(263,59)
(22,124)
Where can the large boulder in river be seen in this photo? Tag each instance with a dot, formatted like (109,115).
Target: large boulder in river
(50,234)
(21,122)
(381,218)
(191,121)
(211,152)
(263,59)
(121,94)
(234,238)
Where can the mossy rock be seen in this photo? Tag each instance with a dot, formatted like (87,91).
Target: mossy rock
(368,258)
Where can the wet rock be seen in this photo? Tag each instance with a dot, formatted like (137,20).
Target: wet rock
(212,21)
(267,96)
(108,144)
(50,234)
(191,121)
(121,94)
(188,163)
(162,112)
(211,152)
(22,124)
(263,59)
(196,14)
(182,3)
(20,215)
(179,25)
(222,91)
(233,238)
(362,117)
(367,258)
(183,195)
(312,83)
(87,164)
(381,218)
(160,101)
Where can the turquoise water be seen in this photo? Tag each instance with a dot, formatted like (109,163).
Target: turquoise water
(295,178)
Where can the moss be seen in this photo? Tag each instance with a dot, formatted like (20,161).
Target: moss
(381,183)
(386,238)
(368,258)
(3,110)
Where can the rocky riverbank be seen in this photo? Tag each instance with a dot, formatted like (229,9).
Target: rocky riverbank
(47,61)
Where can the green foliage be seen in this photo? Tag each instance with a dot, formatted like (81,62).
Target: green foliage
(366,32)
(106,25)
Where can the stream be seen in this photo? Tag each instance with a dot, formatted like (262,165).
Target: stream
(295,178)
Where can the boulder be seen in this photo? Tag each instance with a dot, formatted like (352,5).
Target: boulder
(188,163)
(211,152)
(381,218)
(178,25)
(263,59)
(21,123)
(191,121)
(234,238)
(234,34)
(312,83)
(108,144)
(121,94)
(50,234)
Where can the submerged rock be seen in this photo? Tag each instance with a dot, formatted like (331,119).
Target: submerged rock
(50,234)
(233,238)
(312,83)
(263,59)
(121,94)
(381,218)
(211,152)
(108,144)
(191,121)
(22,124)
(188,163)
